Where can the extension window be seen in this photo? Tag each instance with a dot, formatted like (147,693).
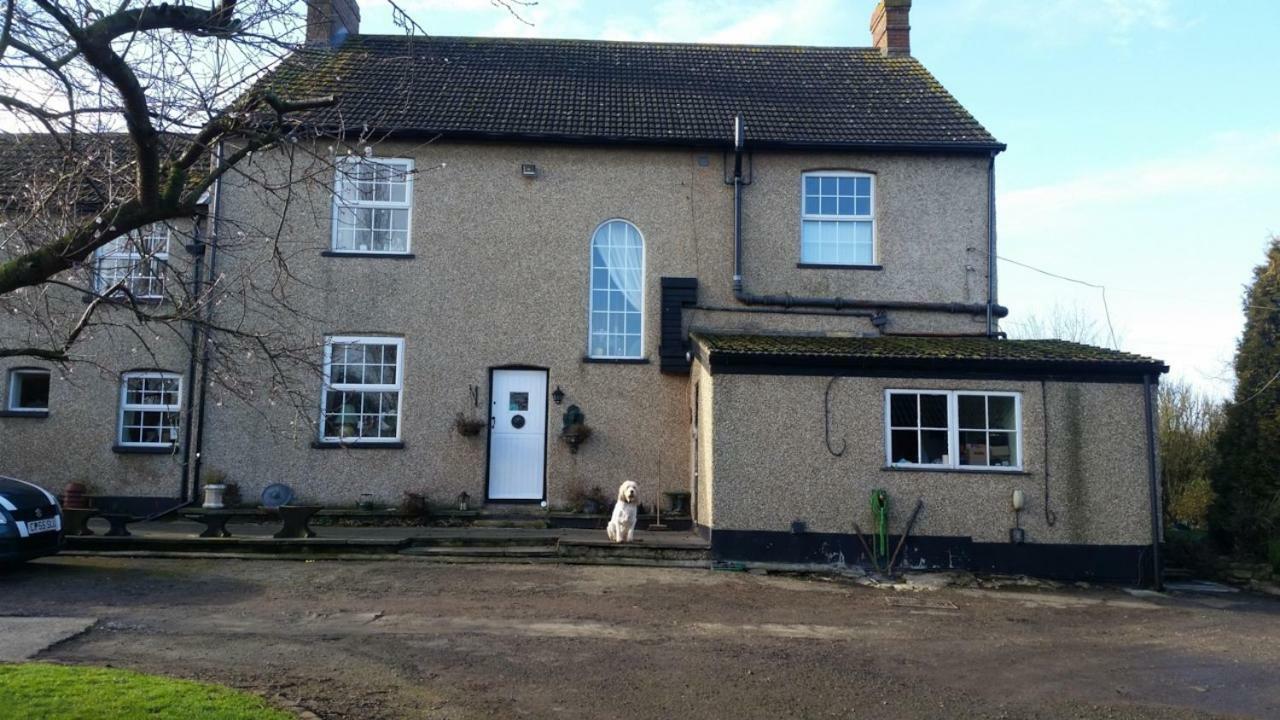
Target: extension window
(963,430)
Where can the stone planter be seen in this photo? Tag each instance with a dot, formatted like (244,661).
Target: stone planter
(213,496)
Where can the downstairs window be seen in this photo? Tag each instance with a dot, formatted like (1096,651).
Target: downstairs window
(953,429)
(363,379)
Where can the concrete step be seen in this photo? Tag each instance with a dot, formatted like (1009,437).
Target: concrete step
(180,544)
(692,552)
(493,551)
(511,522)
(515,538)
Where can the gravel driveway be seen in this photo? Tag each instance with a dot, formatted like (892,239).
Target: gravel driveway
(409,639)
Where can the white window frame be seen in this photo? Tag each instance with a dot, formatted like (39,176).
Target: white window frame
(342,173)
(396,387)
(953,430)
(129,248)
(126,406)
(12,393)
(591,288)
(870,217)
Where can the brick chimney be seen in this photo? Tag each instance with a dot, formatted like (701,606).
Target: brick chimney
(890,29)
(329,22)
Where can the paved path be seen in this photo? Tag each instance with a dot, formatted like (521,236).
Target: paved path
(24,637)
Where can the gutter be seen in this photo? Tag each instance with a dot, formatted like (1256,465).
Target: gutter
(208,314)
(836,303)
(403,133)
(1153,483)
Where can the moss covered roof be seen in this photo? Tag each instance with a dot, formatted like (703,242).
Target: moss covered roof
(635,92)
(916,351)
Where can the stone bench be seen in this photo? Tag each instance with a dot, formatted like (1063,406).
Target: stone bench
(294,520)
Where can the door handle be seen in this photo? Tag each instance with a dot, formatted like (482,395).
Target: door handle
(492,420)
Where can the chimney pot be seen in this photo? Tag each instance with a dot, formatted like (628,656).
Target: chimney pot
(890,27)
(329,22)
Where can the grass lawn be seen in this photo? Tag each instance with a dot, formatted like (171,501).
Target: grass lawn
(38,691)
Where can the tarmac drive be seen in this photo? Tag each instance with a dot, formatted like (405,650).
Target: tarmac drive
(412,639)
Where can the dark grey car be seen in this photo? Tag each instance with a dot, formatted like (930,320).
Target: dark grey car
(30,521)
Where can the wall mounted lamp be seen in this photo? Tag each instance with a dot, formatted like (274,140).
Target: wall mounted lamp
(557,395)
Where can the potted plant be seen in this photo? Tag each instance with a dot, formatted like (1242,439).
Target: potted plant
(467,427)
(595,501)
(574,435)
(231,495)
(215,484)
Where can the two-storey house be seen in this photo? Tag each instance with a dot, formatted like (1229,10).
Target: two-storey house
(761,275)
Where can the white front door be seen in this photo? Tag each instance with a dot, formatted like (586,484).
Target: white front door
(517,434)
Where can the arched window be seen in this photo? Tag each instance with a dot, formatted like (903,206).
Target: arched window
(617,292)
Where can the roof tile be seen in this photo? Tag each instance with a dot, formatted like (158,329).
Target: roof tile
(586,90)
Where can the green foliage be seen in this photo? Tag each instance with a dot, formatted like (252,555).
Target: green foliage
(1192,550)
(38,691)
(1189,423)
(1246,477)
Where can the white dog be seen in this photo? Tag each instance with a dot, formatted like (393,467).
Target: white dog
(624,513)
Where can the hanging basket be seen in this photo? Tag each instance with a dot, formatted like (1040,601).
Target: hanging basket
(574,435)
(467,427)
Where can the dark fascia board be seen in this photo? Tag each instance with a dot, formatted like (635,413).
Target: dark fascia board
(721,362)
(975,148)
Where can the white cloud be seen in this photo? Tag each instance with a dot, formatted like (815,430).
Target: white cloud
(1225,163)
(1068,22)
(710,21)
(1174,240)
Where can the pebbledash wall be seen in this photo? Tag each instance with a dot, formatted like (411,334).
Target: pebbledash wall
(77,439)
(771,467)
(499,276)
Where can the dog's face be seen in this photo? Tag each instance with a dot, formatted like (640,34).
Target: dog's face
(628,492)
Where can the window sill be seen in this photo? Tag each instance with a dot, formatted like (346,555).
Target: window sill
(33,414)
(959,470)
(834,266)
(144,449)
(359,254)
(335,445)
(615,361)
(124,301)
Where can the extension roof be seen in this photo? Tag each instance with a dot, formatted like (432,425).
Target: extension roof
(591,91)
(934,354)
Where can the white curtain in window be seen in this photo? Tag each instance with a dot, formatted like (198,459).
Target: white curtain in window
(626,261)
(617,287)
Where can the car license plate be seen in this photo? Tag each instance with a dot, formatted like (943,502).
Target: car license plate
(39,526)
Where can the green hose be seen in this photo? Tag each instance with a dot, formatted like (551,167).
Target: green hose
(880,513)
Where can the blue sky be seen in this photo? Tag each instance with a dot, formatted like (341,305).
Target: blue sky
(1144,135)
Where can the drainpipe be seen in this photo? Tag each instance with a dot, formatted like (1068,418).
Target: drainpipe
(196,248)
(1152,482)
(208,314)
(837,303)
(991,246)
(739,139)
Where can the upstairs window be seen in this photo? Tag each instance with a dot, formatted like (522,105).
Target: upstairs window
(28,390)
(371,205)
(617,292)
(959,430)
(364,377)
(150,409)
(134,264)
(837,219)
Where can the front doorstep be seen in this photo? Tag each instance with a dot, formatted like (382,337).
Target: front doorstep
(1124,564)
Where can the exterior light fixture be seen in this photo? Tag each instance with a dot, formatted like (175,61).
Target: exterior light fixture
(529,170)
(557,395)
